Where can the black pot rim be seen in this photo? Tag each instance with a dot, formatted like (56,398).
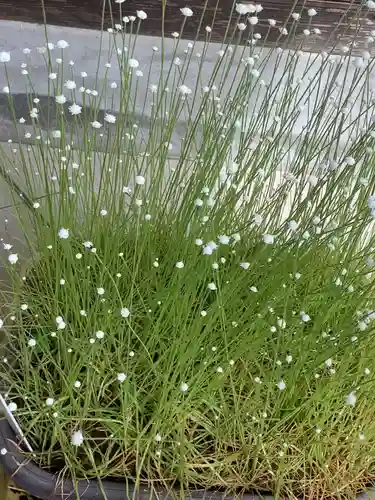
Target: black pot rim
(47,486)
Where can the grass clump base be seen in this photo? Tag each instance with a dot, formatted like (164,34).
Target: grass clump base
(206,320)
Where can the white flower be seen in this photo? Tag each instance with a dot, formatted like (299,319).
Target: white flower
(268,239)
(311,12)
(140,180)
(141,14)
(103,212)
(56,134)
(133,63)
(12,406)
(88,244)
(207,250)
(241,26)
(184,387)
(306,32)
(62,44)
(258,219)
(208,29)
(62,281)
(77,436)
(60,99)
(245,265)
(52,76)
(70,85)
(96,124)
(99,334)
(100,291)
(224,239)
(186,12)
(32,342)
(180,265)
(61,325)
(253,20)
(125,313)
(198,202)
(75,109)
(370,4)
(109,118)
(305,317)
(289,358)
(3,451)
(77,384)
(272,22)
(242,9)
(184,89)
(253,289)
(49,401)
(212,286)
(34,113)
(121,377)
(351,399)
(83,74)
(362,325)
(4,57)
(281,385)
(63,233)
(13,258)
(328,362)
(296,16)
(6,89)
(219,369)
(293,225)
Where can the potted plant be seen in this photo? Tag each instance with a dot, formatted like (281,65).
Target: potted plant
(201,321)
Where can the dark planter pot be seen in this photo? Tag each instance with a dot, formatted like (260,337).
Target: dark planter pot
(48,486)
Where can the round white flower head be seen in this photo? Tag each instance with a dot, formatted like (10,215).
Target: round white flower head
(103,212)
(13,258)
(96,124)
(110,118)
(281,385)
(4,57)
(32,342)
(56,134)
(99,334)
(311,12)
(180,265)
(253,289)
(77,384)
(184,89)
(370,4)
(49,401)
(1,323)
(184,387)
(121,377)
(52,76)
(224,239)
(6,90)
(272,22)
(253,20)
(133,63)
(362,325)
(100,291)
(141,14)
(186,12)
(293,225)
(60,99)
(241,26)
(212,286)
(125,313)
(305,317)
(268,239)
(198,202)
(242,9)
(140,180)
(77,438)
(63,233)
(70,84)
(62,44)
(245,265)
(12,406)
(75,109)
(88,244)
(296,16)
(351,399)
(3,451)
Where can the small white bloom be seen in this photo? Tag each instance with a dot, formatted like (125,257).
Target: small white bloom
(96,124)
(184,387)
(56,134)
(207,250)
(77,384)
(62,44)
(224,239)
(77,436)
(125,313)
(362,325)
(6,90)
(245,265)
(370,4)
(293,225)
(241,26)
(60,99)
(133,63)
(88,244)
(186,12)
(212,286)
(203,313)
(258,219)
(253,20)
(281,385)
(49,401)
(52,76)
(3,451)
(289,358)
(219,369)
(180,265)
(75,109)
(99,334)
(305,317)
(268,239)
(139,73)
(13,258)
(311,12)
(78,256)
(208,29)
(297,276)
(296,16)
(121,377)
(140,180)
(62,281)
(63,233)
(100,291)
(4,57)
(141,14)
(12,406)
(110,118)
(351,399)
(32,342)
(103,212)
(184,89)
(70,84)
(328,362)
(272,22)
(253,289)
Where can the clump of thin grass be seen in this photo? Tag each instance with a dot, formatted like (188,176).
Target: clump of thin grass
(204,320)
